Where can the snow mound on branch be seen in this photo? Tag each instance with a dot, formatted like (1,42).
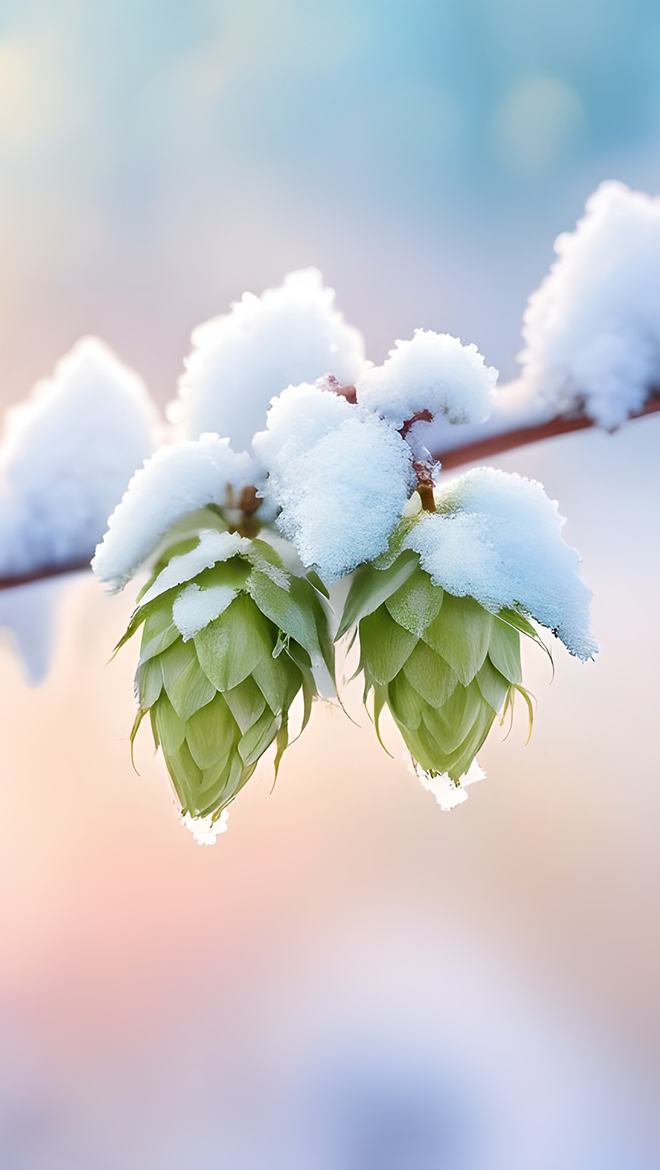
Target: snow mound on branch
(178,479)
(340,474)
(67,456)
(297,419)
(592,329)
(432,372)
(239,361)
(497,537)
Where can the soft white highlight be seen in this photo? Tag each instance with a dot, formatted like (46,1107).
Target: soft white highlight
(497,537)
(177,480)
(67,455)
(592,329)
(239,361)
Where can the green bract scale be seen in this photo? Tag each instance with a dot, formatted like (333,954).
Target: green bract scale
(229,639)
(443,665)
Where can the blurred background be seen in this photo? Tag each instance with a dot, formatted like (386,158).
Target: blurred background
(350,979)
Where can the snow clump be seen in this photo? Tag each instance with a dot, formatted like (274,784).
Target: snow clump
(592,329)
(239,361)
(67,456)
(340,475)
(177,480)
(434,373)
(196,608)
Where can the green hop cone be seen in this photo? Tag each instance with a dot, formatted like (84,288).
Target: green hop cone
(220,695)
(443,665)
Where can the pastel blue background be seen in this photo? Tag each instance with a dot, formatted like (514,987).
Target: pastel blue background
(158,158)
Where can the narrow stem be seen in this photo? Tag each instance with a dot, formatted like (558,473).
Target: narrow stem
(425,493)
(522,436)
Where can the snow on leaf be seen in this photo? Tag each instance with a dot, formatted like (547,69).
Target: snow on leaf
(178,479)
(497,537)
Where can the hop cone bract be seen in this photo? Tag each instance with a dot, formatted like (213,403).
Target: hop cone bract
(218,699)
(443,665)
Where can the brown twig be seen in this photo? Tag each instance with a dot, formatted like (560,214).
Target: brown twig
(458,457)
(520,436)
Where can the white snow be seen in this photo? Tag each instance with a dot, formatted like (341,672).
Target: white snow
(297,419)
(340,474)
(195,608)
(592,329)
(432,372)
(204,829)
(67,455)
(212,548)
(497,537)
(448,794)
(239,361)
(177,480)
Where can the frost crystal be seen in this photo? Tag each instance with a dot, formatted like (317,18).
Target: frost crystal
(592,330)
(433,373)
(497,537)
(204,829)
(195,608)
(177,480)
(289,335)
(67,456)
(340,474)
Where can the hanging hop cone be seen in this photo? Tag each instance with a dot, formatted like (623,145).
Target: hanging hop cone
(443,665)
(229,639)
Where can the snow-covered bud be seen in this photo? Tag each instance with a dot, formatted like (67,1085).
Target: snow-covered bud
(443,665)
(229,639)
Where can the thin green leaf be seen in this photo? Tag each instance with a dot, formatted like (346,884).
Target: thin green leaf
(212,733)
(430,675)
(385,645)
(246,703)
(371,587)
(187,686)
(232,646)
(504,651)
(492,684)
(416,603)
(258,738)
(461,634)
(171,729)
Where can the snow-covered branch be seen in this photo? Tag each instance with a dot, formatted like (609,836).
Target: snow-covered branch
(591,358)
(486,443)
(292,463)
